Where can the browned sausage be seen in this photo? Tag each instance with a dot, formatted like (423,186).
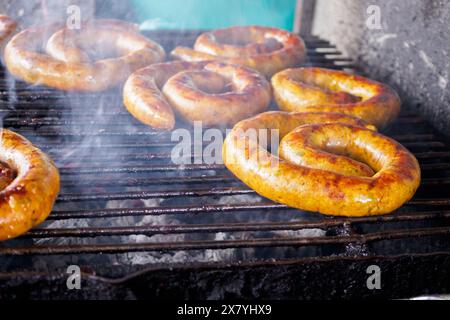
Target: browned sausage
(68,67)
(7,29)
(29,187)
(267,50)
(72,46)
(324,90)
(218,94)
(314,171)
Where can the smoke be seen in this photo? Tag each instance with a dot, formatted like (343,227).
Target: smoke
(82,128)
(156,24)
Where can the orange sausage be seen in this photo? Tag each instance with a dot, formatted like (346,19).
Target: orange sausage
(307,176)
(324,90)
(7,29)
(267,50)
(68,65)
(218,94)
(27,196)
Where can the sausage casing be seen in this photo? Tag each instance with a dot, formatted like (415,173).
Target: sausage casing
(27,200)
(316,186)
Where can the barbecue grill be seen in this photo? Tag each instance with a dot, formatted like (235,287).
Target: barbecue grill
(140,226)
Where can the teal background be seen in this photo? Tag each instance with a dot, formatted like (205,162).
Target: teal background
(209,14)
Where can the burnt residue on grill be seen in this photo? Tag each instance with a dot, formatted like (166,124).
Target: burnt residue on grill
(129,217)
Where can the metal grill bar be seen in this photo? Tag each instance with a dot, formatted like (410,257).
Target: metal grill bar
(128,157)
(173,229)
(150,168)
(203,245)
(106,213)
(231,191)
(217,179)
(115,118)
(229,227)
(205,209)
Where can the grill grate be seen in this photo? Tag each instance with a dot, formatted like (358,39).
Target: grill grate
(121,193)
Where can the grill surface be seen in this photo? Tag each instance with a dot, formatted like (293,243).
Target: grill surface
(125,208)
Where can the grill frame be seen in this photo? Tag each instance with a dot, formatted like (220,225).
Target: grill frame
(292,278)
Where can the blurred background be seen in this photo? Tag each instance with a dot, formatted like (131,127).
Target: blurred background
(201,14)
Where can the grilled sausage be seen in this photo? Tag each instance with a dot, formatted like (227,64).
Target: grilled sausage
(72,46)
(7,176)
(215,93)
(7,29)
(28,195)
(306,176)
(68,65)
(324,90)
(267,50)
